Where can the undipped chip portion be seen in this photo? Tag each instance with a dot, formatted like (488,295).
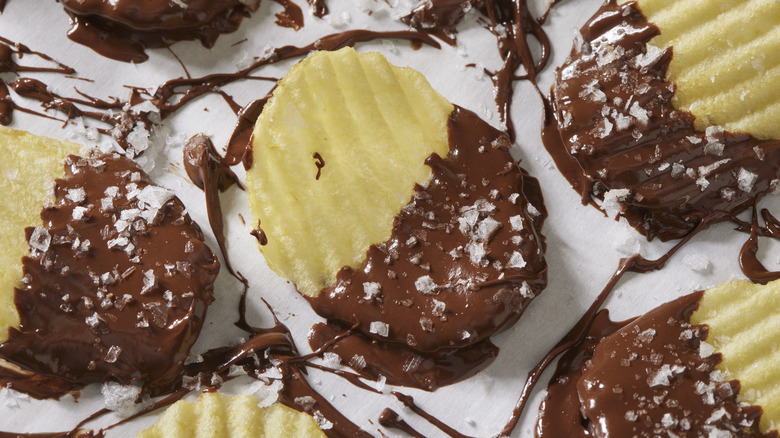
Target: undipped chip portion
(744,326)
(337,152)
(28,169)
(726,61)
(215,415)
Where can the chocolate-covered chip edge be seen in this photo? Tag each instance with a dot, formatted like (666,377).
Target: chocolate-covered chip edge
(616,136)
(116,285)
(464,259)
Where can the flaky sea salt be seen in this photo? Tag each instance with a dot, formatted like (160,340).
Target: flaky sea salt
(371,289)
(40,239)
(746,179)
(120,398)
(426,285)
(612,204)
(379,328)
(516,261)
(697,262)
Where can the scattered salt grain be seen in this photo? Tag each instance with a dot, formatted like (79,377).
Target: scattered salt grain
(746,179)
(120,398)
(426,285)
(40,239)
(380,328)
(331,360)
(697,263)
(516,261)
(612,201)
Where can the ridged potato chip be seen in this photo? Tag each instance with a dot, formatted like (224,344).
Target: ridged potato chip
(726,61)
(336,155)
(214,415)
(744,327)
(27,173)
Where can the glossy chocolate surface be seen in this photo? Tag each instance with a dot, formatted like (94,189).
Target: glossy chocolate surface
(645,378)
(613,127)
(116,285)
(122,29)
(465,258)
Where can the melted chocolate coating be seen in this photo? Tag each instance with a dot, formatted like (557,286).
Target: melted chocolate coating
(645,378)
(116,285)
(122,29)
(615,127)
(464,259)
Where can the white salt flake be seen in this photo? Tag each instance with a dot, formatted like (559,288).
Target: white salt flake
(380,328)
(697,262)
(120,398)
(706,350)
(426,285)
(371,289)
(612,204)
(40,239)
(661,378)
(746,179)
(77,195)
(516,261)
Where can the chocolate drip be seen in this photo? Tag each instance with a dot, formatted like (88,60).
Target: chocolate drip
(612,126)
(9,48)
(560,410)
(176,93)
(291,17)
(320,163)
(121,30)
(512,24)
(319,7)
(207,171)
(748,259)
(408,401)
(116,285)
(646,379)
(390,419)
(478,220)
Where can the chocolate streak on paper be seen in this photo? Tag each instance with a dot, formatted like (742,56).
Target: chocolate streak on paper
(116,285)
(645,378)
(122,29)
(748,256)
(319,7)
(390,420)
(422,299)
(291,17)
(511,23)
(614,134)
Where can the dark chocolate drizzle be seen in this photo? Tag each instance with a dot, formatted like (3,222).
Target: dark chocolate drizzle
(390,420)
(512,24)
(748,256)
(434,295)
(611,125)
(645,378)
(122,30)
(116,285)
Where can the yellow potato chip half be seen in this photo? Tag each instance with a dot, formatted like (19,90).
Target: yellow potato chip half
(27,173)
(239,416)
(744,327)
(337,152)
(726,61)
